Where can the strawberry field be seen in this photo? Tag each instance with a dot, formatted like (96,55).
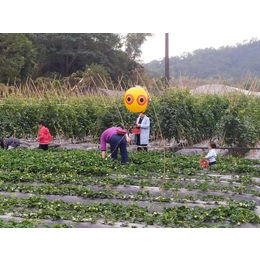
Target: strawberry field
(67,188)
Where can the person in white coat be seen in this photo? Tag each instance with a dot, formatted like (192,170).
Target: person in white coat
(143,123)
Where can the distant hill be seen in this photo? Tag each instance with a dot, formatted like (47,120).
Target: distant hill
(230,61)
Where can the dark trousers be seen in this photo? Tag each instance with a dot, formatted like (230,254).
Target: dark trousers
(138,139)
(212,163)
(43,146)
(119,141)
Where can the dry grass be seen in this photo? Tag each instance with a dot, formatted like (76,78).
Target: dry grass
(98,86)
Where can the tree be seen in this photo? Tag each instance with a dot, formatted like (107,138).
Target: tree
(68,52)
(134,42)
(16,57)
(48,54)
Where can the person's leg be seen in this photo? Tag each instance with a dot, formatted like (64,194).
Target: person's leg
(43,147)
(211,163)
(144,147)
(114,140)
(123,151)
(137,139)
(138,143)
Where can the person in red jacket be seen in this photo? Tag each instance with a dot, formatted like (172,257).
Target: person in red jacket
(44,136)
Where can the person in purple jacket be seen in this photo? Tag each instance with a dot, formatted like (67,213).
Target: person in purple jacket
(116,141)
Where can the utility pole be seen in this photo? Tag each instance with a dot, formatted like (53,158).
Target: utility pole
(167,75)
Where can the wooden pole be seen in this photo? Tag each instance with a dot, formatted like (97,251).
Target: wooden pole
(167,74)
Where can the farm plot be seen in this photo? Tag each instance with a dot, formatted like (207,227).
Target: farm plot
(66,188)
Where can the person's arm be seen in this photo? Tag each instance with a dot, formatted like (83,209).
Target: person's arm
(136,123)
(47,132)
(127,138)
(209,155)
(50,137)
(40,137)
(103,145)
(145,123)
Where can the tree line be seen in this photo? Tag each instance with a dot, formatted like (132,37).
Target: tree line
(34,55)
(230,61)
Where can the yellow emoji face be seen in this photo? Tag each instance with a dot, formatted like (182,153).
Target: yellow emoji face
(136,100)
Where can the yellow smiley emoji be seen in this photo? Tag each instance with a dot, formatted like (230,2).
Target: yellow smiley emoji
(136,100)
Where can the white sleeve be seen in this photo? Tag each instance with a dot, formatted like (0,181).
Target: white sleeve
(209,155)
(146,123)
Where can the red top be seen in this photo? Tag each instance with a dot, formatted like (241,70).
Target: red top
(44,135)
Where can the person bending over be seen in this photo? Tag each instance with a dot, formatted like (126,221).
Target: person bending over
(9,143)
(116,141)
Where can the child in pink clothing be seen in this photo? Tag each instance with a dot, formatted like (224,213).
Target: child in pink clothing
(44,136)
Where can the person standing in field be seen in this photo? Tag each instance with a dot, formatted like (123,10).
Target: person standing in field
(9,143)
(44,136)
(143,123)
(116,141)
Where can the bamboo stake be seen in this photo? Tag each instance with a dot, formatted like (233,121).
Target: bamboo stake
(58,135)
(164,155)
(115,102)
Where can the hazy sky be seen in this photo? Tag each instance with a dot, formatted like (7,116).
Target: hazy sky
(192,24)
(154,47)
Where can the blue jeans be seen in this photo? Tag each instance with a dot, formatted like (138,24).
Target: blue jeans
(118,141)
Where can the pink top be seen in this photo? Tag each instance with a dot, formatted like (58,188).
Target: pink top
(44,135)
(107,134)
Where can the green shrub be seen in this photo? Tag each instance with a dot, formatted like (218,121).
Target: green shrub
(184,116)
(235,119)
(239,124)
